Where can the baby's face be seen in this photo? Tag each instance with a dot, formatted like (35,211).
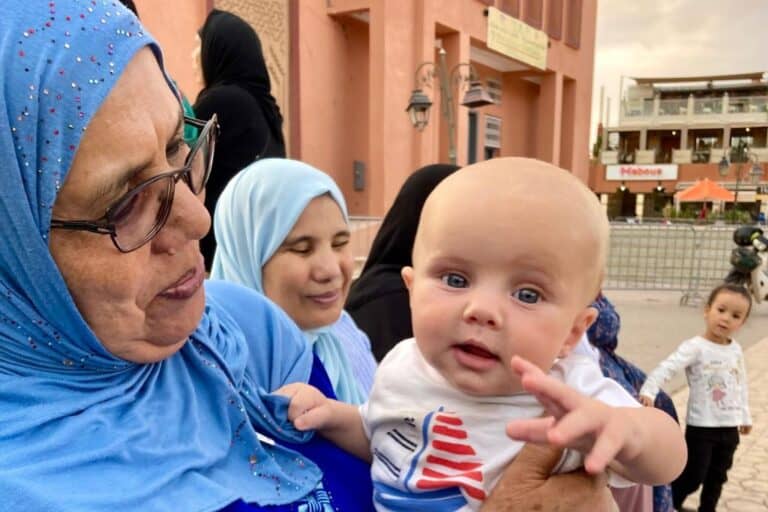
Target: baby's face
(493,279)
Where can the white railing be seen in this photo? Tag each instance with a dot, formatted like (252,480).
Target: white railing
(704,106)
(722,109)
(673,107)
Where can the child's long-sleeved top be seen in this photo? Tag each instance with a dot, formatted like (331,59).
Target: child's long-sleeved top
(717,380)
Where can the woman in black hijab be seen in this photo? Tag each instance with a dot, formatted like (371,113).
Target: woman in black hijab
(378,301)
(237,90)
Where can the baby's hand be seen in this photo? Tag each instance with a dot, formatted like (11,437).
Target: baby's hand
(575,421)
(745,429)
(309,408)
(646,400)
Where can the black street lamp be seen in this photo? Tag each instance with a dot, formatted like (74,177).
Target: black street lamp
(419,104)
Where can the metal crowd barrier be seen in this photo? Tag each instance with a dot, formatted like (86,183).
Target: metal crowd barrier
(687,258)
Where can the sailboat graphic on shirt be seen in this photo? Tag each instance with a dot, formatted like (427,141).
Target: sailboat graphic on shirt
(442,470)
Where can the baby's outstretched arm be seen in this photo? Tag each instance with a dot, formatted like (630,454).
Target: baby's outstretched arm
(642,444)
(340,423)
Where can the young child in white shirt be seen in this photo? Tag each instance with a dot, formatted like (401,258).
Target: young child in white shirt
(500,291)
(718,409)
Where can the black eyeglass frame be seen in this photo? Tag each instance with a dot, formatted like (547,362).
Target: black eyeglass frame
(106,225)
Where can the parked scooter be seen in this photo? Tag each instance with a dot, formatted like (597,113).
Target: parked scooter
(750,261)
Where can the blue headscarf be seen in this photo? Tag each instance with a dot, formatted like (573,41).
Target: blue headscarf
(79,428)
(255,212)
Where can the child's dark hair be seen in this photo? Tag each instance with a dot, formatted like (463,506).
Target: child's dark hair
(731,288)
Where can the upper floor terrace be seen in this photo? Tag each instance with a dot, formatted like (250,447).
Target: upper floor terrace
(703,100)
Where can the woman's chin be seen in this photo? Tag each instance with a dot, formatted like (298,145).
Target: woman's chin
(320,319)
(171,326)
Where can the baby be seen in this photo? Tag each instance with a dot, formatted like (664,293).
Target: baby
(508,256)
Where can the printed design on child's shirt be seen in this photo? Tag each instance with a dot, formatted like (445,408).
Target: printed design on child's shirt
(722,386)
(317,501)
(717,391)
(439,463)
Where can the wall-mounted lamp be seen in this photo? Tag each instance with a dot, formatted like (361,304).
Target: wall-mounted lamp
(623,187)
(674,132)
(418,109)
(419,103)
(659,188)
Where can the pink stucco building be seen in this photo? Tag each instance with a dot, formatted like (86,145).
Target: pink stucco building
(343,72)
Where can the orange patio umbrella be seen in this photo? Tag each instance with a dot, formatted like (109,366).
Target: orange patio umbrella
(704,190)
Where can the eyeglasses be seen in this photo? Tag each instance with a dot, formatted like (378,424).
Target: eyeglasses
(139,215)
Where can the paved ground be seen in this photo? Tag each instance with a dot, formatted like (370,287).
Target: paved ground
(653,324)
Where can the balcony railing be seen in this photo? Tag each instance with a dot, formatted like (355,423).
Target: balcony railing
(747,104)
(692,110)
(677,156)
(707,106)
(673,107)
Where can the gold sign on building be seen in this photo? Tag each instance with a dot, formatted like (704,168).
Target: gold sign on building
(513,38)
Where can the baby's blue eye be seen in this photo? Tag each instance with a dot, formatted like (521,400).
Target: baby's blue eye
(455,280)
(527,295)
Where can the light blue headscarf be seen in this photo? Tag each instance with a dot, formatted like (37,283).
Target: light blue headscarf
(79,428)
(255,212)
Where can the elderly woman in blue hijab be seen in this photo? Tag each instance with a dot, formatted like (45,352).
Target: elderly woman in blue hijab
(125,383)
(282,229)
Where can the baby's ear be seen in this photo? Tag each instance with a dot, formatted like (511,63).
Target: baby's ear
(407,275)
(579,327)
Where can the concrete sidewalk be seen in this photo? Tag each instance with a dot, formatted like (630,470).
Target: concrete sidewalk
(653,325)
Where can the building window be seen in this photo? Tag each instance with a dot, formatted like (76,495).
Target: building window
(532,13)
(493,87)
(492,139)
(573,24)
(555,19)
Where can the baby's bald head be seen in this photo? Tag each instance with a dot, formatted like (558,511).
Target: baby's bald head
(556,208)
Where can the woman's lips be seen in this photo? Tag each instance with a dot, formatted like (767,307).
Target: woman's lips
(327,298)
(187,285)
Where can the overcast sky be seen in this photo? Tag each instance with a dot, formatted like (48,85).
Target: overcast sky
(675,38)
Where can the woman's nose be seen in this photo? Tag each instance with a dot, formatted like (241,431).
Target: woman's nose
(325,265)
(188,220)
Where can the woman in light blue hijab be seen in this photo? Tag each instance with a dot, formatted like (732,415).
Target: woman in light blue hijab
(282,229)
(125,383)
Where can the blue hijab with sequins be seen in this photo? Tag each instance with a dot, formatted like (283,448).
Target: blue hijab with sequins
(254,214)
(79,428)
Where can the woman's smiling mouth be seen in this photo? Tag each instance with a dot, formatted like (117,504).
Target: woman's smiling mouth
(327,298)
